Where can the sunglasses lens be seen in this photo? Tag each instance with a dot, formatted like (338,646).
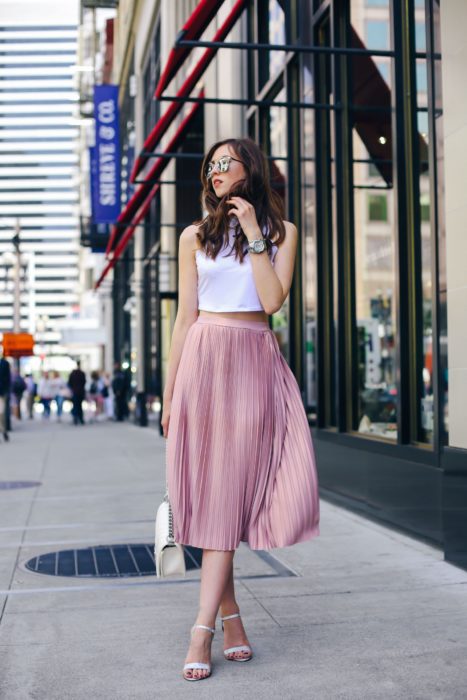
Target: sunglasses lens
(223,165)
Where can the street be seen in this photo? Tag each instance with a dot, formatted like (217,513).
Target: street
(359,612)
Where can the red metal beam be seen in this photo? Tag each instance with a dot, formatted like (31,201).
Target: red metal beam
(125,239)
(190,82)
(143,207)
(191,30)
(157,169)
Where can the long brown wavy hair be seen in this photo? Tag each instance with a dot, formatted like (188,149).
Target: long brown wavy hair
(255,188)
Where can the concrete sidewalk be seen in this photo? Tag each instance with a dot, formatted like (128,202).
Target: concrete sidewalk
(359,612)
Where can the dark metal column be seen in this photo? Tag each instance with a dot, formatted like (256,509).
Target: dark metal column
(296,316)
(324,239)
(438,271)
(346,342)
(409,307)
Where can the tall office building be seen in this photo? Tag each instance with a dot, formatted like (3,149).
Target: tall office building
(38,164)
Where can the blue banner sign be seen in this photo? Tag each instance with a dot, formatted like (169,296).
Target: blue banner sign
(105,194)
(93,234)
(93,180)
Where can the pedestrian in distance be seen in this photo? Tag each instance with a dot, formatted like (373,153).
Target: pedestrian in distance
(120,388)
(240,458)
(96,388)
(18,387)
(31,393)
(108,397)
(46,393)
(5,388)
(60,393)
(77,385)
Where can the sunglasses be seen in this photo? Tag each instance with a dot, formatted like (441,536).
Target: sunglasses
(223,164)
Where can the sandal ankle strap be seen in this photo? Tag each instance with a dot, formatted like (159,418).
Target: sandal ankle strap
(205,627)
(229,617)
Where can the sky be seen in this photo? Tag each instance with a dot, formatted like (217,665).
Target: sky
(32,12)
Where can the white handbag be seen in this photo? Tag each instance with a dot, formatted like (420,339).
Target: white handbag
(168,554)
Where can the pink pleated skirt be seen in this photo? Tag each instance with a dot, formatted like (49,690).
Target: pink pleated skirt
(240,459)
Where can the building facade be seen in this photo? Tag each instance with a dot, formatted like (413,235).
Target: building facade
(39,167)
(362,123)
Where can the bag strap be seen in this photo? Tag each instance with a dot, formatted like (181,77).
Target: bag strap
(166,479)
(171,537)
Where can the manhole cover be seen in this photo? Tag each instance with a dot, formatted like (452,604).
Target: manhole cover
(6,485)
(109,561)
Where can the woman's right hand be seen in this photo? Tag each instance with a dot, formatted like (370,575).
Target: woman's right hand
(165,416)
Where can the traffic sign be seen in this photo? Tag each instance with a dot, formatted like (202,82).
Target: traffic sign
(18,344)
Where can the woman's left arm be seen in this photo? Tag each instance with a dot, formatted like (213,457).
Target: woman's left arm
(272,282)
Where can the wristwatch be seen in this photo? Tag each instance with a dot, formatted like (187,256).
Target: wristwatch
(257,246)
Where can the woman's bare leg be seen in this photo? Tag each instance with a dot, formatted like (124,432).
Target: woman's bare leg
(215,569)
(234,632)
(228,603)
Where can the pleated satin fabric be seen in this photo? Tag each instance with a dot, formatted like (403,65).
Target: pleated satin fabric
(240,459)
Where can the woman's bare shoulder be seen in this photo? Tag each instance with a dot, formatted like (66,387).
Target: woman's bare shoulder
(188,237)
(289,226)
(290,231)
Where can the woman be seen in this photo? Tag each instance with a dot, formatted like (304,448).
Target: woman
(31,392)
(59,390)
(18,387)
(46,393)
(107,396)
(95,393)
(240,460)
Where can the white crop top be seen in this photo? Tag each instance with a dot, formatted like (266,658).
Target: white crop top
(225,284)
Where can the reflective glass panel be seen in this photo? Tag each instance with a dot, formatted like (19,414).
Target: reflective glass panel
(276,36)
(309,225)
(374,225)
(426,405)
(277,164)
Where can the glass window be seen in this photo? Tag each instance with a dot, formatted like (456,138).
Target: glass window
(276,36)
(384,68)
(373,170)
(377,207)
(278,169)
(377,34)
(379,252)
(309,230)
(424,168)
(425,207)
(420,36)
(326,207)
(268,28)
(421,78)
(374,230)
(278,137)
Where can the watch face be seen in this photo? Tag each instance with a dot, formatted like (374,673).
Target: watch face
(259,246)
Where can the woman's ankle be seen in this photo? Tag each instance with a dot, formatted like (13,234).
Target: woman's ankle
(229,609)
(204,618)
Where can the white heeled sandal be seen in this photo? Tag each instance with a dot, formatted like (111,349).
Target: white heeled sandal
(232,650)
(198,664)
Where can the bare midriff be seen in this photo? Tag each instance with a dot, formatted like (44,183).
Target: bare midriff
(242,315)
